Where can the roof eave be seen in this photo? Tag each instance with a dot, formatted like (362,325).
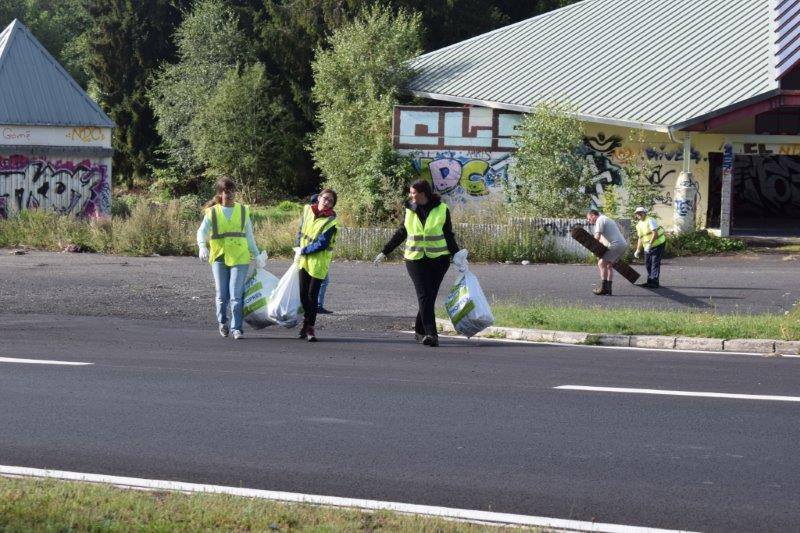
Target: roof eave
(662,128)
(726,110)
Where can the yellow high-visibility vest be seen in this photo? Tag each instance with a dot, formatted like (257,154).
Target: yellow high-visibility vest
(316,264)
(647,235)
(426,240)
(228,236)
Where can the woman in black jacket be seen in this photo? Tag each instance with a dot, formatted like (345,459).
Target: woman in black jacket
(429,245)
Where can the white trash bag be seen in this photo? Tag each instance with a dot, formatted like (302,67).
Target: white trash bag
(284,306)
(258,291)
(466,305)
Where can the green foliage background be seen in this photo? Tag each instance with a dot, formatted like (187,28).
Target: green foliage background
(152,78)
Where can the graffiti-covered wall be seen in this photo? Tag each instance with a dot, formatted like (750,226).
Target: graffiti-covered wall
(467,153)
(69,186)
(464,152)
(65,170)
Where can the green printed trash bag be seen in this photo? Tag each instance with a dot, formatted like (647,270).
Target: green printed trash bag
(467,307)
(257,291)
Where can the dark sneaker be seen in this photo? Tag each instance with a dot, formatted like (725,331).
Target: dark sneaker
(223,330)
(302,334)
(310,334)
(323,311)
(430,340)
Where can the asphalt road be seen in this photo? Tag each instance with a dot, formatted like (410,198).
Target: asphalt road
(472,424)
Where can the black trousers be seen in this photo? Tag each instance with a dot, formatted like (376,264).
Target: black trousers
(309,293)
(427,275)
(653,262)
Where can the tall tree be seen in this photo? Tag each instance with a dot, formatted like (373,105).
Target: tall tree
(127,41)
(209,43)
(356,85)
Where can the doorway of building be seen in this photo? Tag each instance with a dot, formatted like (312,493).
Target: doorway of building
(766,194)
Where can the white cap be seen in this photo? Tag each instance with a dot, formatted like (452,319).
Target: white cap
(640,210)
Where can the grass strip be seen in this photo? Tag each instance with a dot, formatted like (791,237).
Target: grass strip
(650,322)
(52,505)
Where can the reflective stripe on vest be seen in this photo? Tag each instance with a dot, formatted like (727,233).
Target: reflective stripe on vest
(228,237)
(646,233)
(316,264)
(425,240)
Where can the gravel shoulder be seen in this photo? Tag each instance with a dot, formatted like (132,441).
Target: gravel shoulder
(365,297)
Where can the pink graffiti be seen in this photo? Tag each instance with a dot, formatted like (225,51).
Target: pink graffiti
(445,173)
(40,183)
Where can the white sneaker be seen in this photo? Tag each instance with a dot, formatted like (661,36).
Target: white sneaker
(237,334)
(223,330)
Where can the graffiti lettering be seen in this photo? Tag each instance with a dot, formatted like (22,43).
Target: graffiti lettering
(454,128)
(662,154)
(683,207)
(11,134)
(458,177)
(86,134)
(789,149)
(66,187)
(767,185)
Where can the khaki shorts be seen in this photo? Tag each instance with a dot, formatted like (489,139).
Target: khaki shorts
(613,254)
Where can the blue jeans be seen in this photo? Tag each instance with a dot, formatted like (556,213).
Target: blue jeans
(653,261)
(322,289)
(229,282)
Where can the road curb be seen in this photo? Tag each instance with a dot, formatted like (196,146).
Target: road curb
(770,347)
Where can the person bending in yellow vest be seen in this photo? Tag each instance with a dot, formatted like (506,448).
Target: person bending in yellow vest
(313,253)
(429,243)
(652,240)
(230,229)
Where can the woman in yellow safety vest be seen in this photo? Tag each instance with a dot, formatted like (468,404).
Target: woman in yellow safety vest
(230,229)
(313,253)
(429,244)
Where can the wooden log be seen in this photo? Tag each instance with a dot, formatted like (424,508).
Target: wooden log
(598,249)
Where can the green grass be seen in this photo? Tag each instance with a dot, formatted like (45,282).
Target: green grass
(650,322)
(50,505)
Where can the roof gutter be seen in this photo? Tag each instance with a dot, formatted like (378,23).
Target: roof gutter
(527,109)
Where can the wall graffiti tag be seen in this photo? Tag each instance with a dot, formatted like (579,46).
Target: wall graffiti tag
(79,188)
(767,185)
(459,177)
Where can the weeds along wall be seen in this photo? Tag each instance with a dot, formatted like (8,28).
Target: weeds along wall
(66,170)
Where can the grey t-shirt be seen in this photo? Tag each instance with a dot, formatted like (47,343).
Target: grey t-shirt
(610,232)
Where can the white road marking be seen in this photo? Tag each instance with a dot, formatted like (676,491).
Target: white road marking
(485,517)
(682,393)
(41,362)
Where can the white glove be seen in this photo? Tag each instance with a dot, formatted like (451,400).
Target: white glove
(636,254)
(261,260)
(379,258)
(297,254)
(203,255)
(460,260)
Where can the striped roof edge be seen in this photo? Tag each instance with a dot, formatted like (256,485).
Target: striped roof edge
(35,88)
(657,65)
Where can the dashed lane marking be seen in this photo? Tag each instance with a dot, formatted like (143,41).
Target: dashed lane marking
(41,362)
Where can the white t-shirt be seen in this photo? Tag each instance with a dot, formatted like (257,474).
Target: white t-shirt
(609,230)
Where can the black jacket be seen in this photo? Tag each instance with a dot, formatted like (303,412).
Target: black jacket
(422,212)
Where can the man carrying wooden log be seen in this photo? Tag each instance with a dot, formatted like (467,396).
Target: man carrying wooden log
(607,232)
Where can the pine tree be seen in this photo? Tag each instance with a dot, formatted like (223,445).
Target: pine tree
(128,40)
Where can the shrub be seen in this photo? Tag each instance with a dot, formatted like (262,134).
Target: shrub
(154,229)
(700,242)
(551,178)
